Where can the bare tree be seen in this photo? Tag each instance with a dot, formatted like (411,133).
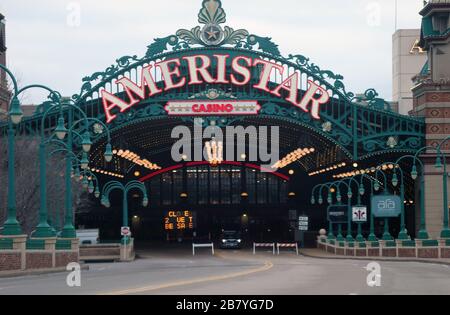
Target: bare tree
(28,184)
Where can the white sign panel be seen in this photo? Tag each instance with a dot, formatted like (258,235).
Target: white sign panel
(303,223)
(208,108)
(359,214)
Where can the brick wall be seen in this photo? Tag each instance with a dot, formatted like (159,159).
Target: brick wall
(10,261)
(92,251)
(39,260)
(64,258)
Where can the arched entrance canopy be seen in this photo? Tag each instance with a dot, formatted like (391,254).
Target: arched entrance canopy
(246,80)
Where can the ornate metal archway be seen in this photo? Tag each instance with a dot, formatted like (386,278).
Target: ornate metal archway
(360,126)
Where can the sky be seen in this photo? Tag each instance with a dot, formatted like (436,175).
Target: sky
(58,42)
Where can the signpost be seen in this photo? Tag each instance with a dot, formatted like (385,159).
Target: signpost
(303,226)
(125,231)
(303,223)
(386,206)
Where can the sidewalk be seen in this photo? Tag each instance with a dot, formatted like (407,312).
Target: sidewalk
(320,254)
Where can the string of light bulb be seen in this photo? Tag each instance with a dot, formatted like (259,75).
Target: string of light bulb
(365,171)
(136,159)
(107,173)
(293,157)
(328,169)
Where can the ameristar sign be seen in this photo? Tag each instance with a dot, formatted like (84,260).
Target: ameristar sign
(199,72)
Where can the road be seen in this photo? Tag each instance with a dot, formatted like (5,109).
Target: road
(237,273)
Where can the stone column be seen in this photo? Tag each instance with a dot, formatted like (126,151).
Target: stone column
(432,102)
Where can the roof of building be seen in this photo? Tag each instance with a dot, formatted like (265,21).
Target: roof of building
(434,4)
(428,32)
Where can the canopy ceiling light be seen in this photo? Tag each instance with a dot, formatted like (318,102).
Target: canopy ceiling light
(214,150)
(107,173)
(136,159)
(293,157)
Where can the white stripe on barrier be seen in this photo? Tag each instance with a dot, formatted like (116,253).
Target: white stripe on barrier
(263,245)
(194,246)
(287,245)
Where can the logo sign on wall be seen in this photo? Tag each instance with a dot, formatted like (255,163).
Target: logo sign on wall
(388,206)
(303,223)
(359,214)
(338,214)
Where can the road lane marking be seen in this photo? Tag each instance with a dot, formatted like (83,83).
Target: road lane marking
(267,266)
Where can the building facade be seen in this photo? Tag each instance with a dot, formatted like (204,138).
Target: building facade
(432,101)
(408,60)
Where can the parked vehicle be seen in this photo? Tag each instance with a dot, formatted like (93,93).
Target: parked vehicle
(88,237)
(231,240)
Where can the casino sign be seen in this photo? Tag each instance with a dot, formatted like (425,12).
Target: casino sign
(217,75)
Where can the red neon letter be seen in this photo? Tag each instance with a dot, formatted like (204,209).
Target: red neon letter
(290,85)
(266,72)
(195,70)
(315,102)
(109,102)
(221,68)
(242,70)
(167,74)
(132,88)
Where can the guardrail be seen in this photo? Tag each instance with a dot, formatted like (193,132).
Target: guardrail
(209,245)
(424,249)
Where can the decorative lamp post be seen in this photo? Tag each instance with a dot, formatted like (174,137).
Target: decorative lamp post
(125,189)
(386,235)
(69,226)
(445,233)
(11,226)
(423,233)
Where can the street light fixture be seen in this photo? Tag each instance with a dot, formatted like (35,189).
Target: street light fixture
(97,192)
(84,164)
(61,130)
(16,113)
(395,180)
(376,186)
(86,143)
(91,187)
(362,191)
(85,182)
(414,173)
(108,153)
(145,201)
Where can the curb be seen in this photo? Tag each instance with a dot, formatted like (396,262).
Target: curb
(19,274)
(378,259)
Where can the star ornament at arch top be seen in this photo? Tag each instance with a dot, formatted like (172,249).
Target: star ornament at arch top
(212,33)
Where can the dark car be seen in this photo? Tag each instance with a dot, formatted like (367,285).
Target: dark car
(231,240)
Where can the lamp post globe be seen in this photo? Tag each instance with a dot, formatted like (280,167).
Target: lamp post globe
(86,143)
(16,113)
(108,153)
(61,130)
